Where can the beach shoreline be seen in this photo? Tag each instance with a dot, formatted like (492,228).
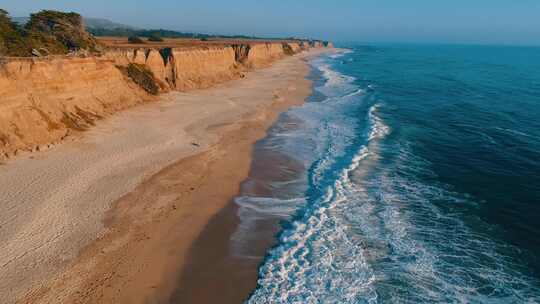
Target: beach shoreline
(226,256)
(209,155)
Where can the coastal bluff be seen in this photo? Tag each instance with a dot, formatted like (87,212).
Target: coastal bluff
(46,99)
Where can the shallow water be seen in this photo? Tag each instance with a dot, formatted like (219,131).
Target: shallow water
(412,175)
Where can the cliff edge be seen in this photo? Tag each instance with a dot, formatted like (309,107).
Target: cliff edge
(45,99)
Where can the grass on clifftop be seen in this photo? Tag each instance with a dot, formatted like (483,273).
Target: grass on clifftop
(155,38)
(135,40)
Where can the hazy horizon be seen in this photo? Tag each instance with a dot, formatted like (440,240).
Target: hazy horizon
(417,21)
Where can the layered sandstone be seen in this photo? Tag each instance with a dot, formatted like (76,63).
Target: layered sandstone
(183,69)
(44,100)
(203,67)
(262,54)
(295,47)
(194,68)
(160,66)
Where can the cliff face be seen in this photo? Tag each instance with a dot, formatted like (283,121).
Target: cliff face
(316,44)
(162,69)
(295,47)
(194,68)
(43,100)
(241,52)
(262,54)
(202,68)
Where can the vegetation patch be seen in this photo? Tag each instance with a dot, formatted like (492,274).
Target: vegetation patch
(143,77)
(12,42)
(135,40)
(155,38)
(147,33)
(287,49)
(47,32)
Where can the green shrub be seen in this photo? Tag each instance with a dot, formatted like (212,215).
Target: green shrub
(155,38)
(143,77)
(135,40)
(12,42)
(59,32)
(287,49)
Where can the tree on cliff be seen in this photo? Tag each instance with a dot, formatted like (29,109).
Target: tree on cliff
(135,40)
(12,42)
(59,32)
(50,32)
(155,38)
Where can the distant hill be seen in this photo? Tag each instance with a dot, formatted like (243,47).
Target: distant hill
(123,32)
(91,23)
(100,27)
(105,24)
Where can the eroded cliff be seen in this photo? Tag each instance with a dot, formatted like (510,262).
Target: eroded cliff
(194,68)
(202,68)
(44,100)
(262,54)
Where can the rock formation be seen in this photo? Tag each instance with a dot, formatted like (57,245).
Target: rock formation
(46,99)
(203,67)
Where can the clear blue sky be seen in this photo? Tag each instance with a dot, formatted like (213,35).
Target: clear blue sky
(467,21)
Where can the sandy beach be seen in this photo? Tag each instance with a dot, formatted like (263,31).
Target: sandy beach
(110,216)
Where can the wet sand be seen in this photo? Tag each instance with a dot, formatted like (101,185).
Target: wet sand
(214,262)
(226,256)
(103,222)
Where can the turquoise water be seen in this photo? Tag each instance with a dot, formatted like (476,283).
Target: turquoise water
(416,179)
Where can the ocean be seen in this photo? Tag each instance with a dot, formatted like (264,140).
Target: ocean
(411,175)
